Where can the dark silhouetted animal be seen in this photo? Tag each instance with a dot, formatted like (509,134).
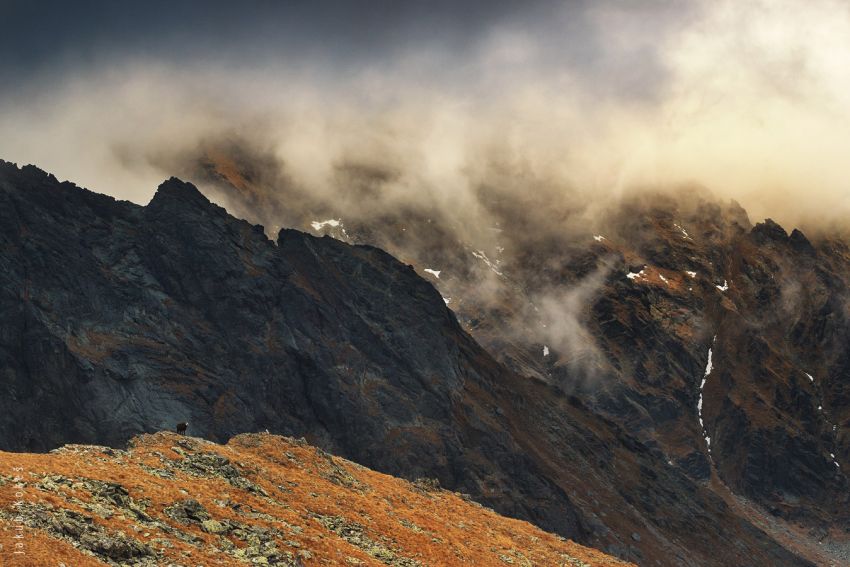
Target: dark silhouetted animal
(182,427)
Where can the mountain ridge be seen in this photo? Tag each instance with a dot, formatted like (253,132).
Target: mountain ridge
(624,316)
(134,318)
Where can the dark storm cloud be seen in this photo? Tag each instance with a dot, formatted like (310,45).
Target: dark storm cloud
(46,41)
(38,35)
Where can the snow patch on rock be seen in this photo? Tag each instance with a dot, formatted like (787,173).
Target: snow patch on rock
(708,368)
(319,225)
(483,257)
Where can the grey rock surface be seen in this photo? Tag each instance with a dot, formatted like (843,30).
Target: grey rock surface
(119,319)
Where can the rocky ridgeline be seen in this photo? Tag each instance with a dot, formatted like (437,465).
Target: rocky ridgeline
(121,319)
(259,500)
(624,317)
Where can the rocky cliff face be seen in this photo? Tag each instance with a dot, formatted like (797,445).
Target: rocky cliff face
(120,319)
(625,318)
(720,343)
(259,500)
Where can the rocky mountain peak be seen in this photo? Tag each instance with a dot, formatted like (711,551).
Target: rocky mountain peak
(769,230)
(175,193)
(800,243)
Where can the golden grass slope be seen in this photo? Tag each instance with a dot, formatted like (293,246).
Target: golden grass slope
(259,500)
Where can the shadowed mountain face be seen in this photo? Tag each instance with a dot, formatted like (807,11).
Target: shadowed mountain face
(120,319)
(722,344)
(625,317)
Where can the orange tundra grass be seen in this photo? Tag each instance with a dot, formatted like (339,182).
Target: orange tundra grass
(263,499)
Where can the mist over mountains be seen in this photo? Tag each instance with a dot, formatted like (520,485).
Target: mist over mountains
(586,262)
(486,127)
(122,319)
(573,103)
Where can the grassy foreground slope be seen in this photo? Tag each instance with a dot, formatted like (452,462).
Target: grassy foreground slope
(261,499)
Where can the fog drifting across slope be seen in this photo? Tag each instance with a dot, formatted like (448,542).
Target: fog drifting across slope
(541,116)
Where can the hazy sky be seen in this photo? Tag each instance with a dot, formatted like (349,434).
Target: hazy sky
(751,98)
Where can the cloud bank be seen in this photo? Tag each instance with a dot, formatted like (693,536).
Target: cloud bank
(570,104)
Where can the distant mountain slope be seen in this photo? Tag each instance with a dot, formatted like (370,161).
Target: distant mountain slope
(262,500)
(724,345)
(120,319)
(621,307)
